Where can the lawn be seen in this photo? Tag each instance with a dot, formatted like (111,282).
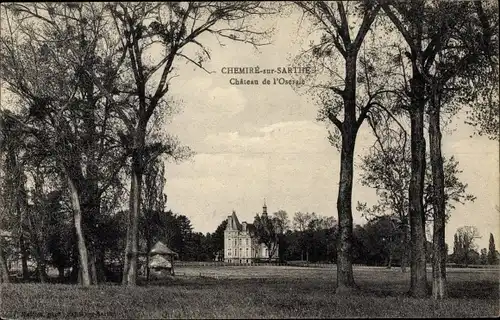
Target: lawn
(255,292)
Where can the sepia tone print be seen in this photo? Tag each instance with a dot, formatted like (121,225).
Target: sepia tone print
(295,159)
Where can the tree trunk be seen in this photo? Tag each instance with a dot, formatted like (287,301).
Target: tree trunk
(60,271)
(438,243)
(82,248)
(100,266)
(75,270)
(126,257)
(345,277)
(40,264)
(4,271)
(24,257)
(148,269)
(349,130)
(418,286)
(22,212)
(130,273)
(73,276)
(93,270)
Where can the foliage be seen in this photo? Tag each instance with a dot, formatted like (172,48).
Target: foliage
(216,242)
(267,230)
(492,257)
(313,238)
(464,246)
(386,168)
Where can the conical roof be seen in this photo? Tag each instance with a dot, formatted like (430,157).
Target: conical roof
(161,248)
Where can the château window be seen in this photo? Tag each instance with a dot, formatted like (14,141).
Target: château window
(247,242)
(240,241)
(247,252)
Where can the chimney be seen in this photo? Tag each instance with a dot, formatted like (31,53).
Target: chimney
(264,208)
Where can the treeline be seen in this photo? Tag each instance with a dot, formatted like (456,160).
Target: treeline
(379,242)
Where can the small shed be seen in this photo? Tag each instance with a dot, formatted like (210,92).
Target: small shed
(161,261)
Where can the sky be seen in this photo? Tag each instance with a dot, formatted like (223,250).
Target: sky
(262,142)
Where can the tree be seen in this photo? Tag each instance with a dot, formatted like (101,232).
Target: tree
(4,272)
(339,41)
(453,69)
(482,36)
(484,256)
(283,225)
(382,239)
(387,169)
(435,33)
(282,220)
(267,230)
(300,223)
(409,19)
(47,52)
(12,188)
(171,28)
(466,236)
(217,240)
(320,235)
(492,252)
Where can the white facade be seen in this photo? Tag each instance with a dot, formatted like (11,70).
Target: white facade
(240,246)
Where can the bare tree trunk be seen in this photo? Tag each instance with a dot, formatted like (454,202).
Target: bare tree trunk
(438,243)
(130,274)
(93,270)
(349,130)
(100,265)
(60,271)
(4,271)
(75,265)
(24,257)
(418,286)
(148,269)
(345,277)
(126,258)
(82,248)
(131,250)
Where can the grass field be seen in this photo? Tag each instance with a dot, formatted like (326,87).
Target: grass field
(255,292)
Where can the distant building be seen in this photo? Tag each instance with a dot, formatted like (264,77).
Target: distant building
(240,243)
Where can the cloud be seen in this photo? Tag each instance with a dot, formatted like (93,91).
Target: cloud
(289,137)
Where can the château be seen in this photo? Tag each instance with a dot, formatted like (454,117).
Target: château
(241,245)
